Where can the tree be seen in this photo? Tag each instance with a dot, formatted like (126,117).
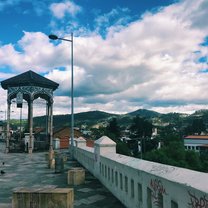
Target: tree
(141,127)
(173,154)
(97,133)
(113,130)
(122,148)
(204,160)
(193,160)
(196,127)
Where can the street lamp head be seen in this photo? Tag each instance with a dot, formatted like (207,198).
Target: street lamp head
(53,37)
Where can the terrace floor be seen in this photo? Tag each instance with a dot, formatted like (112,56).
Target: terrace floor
(24,170)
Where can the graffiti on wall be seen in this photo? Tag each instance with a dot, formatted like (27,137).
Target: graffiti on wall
(158,190)
(197,202)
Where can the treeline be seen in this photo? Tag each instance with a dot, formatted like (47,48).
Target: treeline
(170,141)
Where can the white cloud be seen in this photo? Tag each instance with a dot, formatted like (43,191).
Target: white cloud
(113,20)
(151,63)
(6,3)
(59,10)
(36,53)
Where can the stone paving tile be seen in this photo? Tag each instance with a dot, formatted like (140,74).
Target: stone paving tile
(96,198)
(24,170)
(3,205)
(85,190)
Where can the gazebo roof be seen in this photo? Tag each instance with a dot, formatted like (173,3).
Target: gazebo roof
(29,78)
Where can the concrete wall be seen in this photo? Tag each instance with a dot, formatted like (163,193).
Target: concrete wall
(142,184)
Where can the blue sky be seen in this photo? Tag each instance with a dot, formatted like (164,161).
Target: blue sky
(127,54)
(26,15)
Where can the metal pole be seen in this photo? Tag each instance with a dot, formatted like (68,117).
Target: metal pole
(54,37)
(72,98)
(20,124)
(8,125)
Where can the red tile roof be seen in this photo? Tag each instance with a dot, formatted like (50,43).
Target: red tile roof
(204,137)
(90,143)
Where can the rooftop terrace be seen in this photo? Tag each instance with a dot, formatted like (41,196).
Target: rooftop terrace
(24,170)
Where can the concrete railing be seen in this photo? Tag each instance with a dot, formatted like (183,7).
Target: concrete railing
(142,184)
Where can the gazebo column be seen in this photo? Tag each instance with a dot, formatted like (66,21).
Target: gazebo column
(47,121)
(50,128)
(30,111)
(8,125)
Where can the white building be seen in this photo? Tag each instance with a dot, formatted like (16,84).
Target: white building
(196,142)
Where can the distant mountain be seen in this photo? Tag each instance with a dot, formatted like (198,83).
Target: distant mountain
(95,117)
(200,113)
(144,113)
(90,118)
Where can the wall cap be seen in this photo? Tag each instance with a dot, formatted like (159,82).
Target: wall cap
(105,141)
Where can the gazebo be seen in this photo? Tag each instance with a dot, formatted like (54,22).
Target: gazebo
(29,86)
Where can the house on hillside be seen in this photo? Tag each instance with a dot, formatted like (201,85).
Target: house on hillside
(63,135)
(197,143)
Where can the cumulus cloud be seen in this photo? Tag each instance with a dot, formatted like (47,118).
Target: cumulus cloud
(39,6)
(6,3)
(59,10)
(150,63)
(35,53)
(113,20)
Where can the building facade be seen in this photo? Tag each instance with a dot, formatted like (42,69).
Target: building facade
(197,143)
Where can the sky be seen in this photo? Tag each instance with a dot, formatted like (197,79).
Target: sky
(128,55)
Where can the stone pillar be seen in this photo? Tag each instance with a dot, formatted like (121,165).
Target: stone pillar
(47,120)
(8,125)
(51,127)
(30,147)
(76,176)
(50,124)
(103,146)
(80,142)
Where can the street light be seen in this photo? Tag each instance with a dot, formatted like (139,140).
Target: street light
(54,37)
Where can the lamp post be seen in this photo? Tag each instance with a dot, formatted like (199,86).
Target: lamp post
(54,37)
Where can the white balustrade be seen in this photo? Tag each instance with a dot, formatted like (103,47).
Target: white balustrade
(143,184)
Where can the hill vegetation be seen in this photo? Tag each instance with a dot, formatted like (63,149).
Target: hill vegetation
(138,126)
(95,117)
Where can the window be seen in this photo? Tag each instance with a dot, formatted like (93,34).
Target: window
(132,188)
(116,176)
(108,173)
(174,204)
(121,181)
(100,168)
(112,176)
(149,198)
(139,192)
(126,184)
